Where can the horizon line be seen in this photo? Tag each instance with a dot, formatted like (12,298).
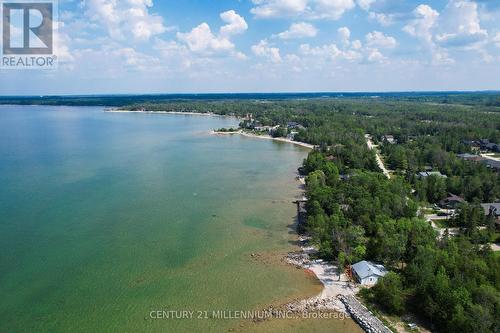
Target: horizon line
(253,93)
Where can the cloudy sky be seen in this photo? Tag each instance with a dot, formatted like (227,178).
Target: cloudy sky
(167,46)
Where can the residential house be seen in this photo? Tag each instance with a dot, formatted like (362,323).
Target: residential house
(474,145)
(425,174)
(489,146)
(493,147)
(451,202)
(389,139)
(268,129)
(492,209)
(492,164)
(367,273)
(470,157)
(291,135)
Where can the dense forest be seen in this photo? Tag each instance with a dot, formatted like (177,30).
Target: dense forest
(355,212)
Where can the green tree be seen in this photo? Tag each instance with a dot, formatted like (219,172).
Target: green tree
(389,293)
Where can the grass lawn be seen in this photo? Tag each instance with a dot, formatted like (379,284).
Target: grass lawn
(442,223)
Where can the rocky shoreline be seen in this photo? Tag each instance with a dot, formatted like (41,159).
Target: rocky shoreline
(335,283)
(338,294)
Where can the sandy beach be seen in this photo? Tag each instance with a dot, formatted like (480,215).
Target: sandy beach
(266,137)
(328,274)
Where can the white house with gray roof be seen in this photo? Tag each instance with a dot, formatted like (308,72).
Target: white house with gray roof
(367,273)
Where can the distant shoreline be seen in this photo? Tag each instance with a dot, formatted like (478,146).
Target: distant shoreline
(266,137)
(210,114)
(168,112)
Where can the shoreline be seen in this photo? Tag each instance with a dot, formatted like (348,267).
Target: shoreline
(266,137)
(335,285)
(206,114)
(211,114)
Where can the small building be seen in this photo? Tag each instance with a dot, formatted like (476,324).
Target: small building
(367,273)
(291,135)
(268,129)
(493,147)
(489,146)
(474,145)
(483,142)
(425,174)
(492,164)
(451,202)
(470,157)
(492,209)
(389,139)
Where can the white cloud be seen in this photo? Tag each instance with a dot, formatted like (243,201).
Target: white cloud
(299,30)
(136,60)
(235,23)
(202,40)
(460,25)
(332,9)
(425,19)
(264,50)
(374,55)
(62,43)
(176,56)
(422,27)
(330,51)
(344,35)
(356,44)
(496,39)
(384,20)
(309,9)
(278,8)
(457,27)
(123,18)
(441,57)
(377,39)
(365,4)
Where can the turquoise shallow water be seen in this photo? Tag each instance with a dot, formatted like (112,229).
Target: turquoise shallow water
(105,217)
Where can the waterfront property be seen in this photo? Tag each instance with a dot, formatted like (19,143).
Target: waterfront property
(367,273)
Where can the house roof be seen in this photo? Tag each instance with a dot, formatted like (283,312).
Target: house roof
(431,173)
(470,157)
(453,197)
(491,208)
(492,163)
(365,269)
(466,155)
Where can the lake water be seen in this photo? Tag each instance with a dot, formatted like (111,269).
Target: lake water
(105,217)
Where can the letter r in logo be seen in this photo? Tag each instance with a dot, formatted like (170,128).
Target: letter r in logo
(36,30)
